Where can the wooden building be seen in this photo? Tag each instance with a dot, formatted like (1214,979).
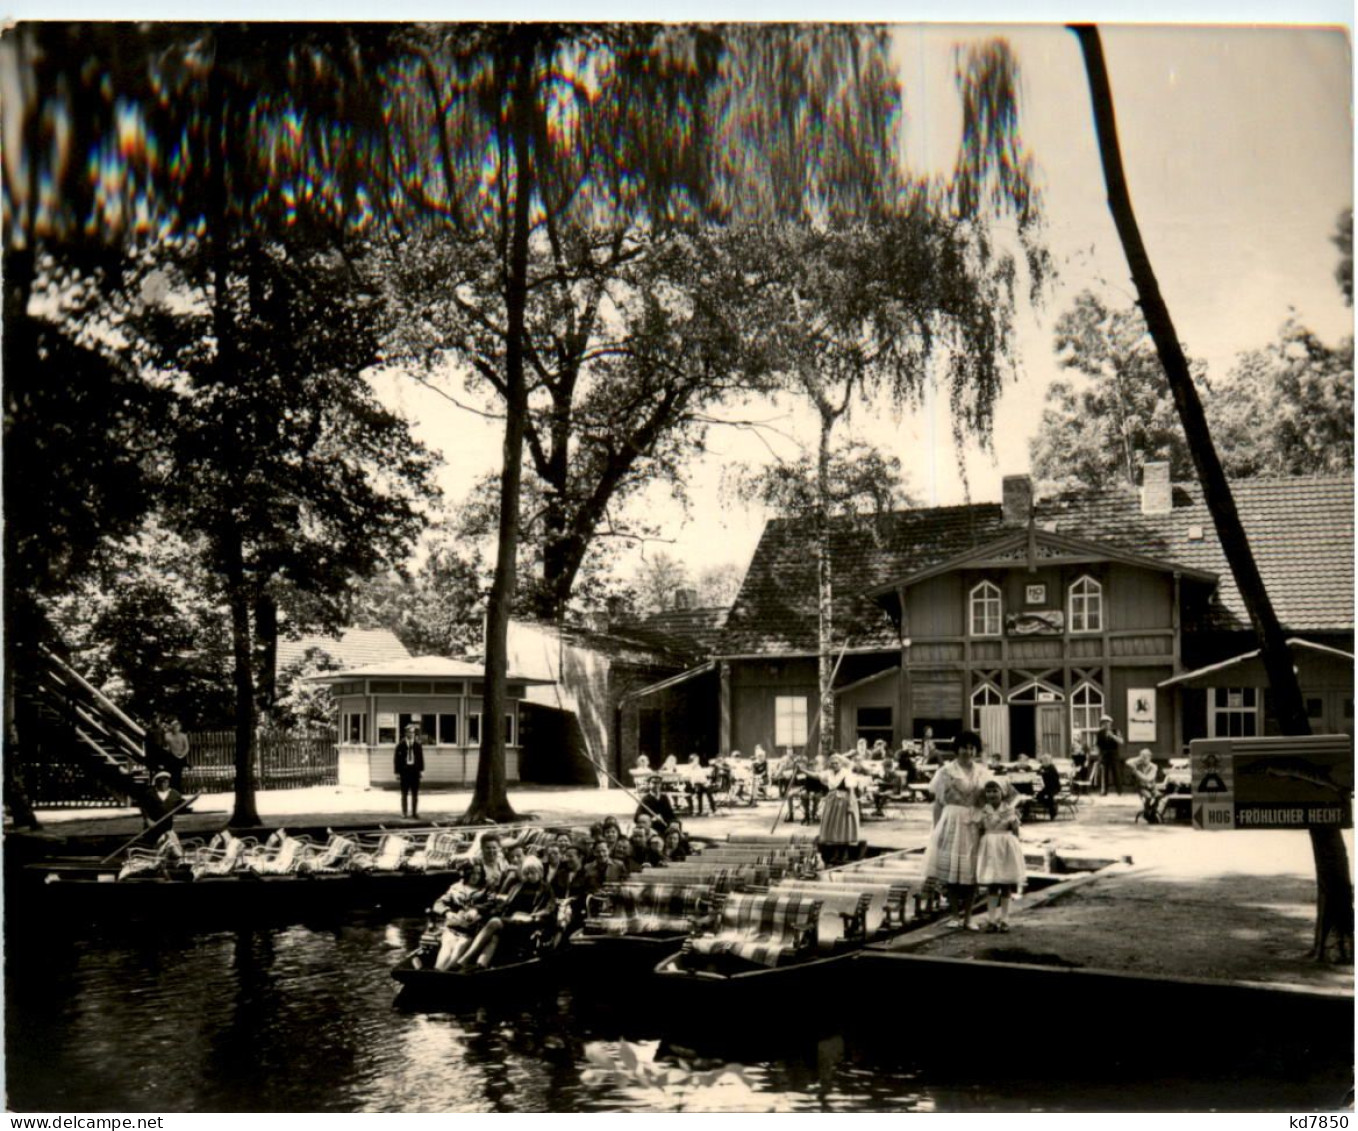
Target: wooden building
(442,696)
(1028,620)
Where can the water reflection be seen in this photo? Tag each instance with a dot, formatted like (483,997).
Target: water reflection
(300,1018)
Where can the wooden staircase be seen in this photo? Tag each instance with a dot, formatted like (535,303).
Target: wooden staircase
(76,743)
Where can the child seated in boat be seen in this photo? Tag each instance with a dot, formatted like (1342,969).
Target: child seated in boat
(530,907)
(461,908)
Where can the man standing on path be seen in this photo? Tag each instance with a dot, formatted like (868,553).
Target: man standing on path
(409,766)
(177,751)
(1108,740)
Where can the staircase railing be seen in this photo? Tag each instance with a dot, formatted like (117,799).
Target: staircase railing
(79,723)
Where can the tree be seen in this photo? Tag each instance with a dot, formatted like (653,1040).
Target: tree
(719,585)
(543,135)
(1343,240)
(861,309)
(1304,389)
(657,579)
(148,628)
(213,162)
(291,475)
(1120,414)
(434,610)
(1334,885)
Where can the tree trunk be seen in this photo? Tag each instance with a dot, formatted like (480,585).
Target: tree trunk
(824,587)
(246,815)
(1334,886)
(490,800)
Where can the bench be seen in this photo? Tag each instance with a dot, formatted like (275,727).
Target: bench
(648,909)
(854,903)
(766,930)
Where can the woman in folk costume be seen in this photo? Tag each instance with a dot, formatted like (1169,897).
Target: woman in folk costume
(950,860)
(839,815)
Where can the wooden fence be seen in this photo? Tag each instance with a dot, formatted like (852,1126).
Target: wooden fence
(281,762)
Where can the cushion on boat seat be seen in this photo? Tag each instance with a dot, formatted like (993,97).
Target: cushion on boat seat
(649,908)
(764,929)
(333,858)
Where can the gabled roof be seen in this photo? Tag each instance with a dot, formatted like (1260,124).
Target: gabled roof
(1300,529)
(1237,663)
(352,648)
(419,667)
(1044,547)
(697,629)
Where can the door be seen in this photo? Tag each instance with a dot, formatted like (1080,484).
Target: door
(995,729)
(1050,730)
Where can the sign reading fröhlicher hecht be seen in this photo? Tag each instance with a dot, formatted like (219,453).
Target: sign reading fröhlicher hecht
(1279,782)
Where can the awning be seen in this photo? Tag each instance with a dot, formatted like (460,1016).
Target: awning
(665,684)
(1252,667)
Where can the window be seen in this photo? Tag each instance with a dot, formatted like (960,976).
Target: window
(789,720)
(509,729)
(985,610)
(1086,606)
(426,723)
(354,728)
(1086,706)
(474,729)
(448,730)
(987,695)
(874,723)
(1233,712)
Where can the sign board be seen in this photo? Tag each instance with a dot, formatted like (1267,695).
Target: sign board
(1141,714)
(1279,782)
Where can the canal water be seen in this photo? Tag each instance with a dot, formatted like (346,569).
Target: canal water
(300,1018)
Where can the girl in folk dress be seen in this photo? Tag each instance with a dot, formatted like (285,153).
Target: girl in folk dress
(950,860)
(999,860)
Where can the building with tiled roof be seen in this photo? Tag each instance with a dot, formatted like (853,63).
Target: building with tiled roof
(1028,619)
(352,648)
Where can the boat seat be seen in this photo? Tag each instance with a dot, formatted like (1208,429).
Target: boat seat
(387,855)
(280,855)
(437,853)
(222,855)
(167,853)
(767,930)
(648,909)
(330,860)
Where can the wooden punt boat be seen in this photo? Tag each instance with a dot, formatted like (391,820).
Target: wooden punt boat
(423,986)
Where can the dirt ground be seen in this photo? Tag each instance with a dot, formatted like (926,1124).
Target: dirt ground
(1228,905)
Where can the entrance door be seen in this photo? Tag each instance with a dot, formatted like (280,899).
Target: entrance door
(995,729)
(1050,730)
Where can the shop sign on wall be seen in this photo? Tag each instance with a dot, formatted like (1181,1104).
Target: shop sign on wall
(1141,714)
(1278,782)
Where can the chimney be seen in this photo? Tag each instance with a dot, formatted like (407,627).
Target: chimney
(685,598)
(1157,495)
(1016,500)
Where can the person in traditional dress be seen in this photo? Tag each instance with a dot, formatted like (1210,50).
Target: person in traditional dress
(999,856)
(950,860)
(839,814)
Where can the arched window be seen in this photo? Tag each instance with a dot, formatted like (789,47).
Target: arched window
(1086,705)
(1086,606)
(985,610)
(987,695)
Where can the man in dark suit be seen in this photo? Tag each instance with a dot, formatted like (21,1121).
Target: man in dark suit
(409,766)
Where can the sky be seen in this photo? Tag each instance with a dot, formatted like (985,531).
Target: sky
(1238,149)
(1238,146)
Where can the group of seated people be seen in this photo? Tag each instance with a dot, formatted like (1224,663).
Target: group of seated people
(699,785)
(503,898)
